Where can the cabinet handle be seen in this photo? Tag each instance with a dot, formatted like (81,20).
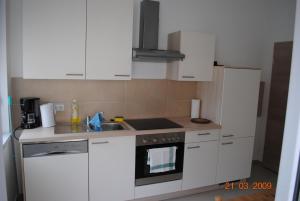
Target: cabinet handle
(228,135)
(203,134)
(227,143)
(105,142)
(74,74)
(195,147)
(119,75)
(188,76)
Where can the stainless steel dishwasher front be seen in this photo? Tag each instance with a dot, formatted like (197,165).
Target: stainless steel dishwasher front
(56,171)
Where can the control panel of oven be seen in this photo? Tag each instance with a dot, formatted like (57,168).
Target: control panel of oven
(162,138)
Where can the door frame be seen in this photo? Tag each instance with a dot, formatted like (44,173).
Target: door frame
(291,139)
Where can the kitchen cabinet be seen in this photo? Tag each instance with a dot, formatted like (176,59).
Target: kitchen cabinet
(200,164)
(77,39)
(239,102)
(112,168)
(54,39)
(202,136)
(199,50)
(231,100)
(109,39)
(235,158)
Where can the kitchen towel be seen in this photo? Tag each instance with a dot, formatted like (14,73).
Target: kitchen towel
(47,113)
(195,109)
(162,159)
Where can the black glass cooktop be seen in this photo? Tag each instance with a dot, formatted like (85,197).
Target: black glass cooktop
(152,124)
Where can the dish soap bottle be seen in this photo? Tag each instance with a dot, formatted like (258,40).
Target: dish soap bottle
(75,120)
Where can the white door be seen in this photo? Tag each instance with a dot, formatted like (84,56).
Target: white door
(109,39)
(235,159)
(112,168)
(239,102)
(56,178)
(200,164)
(199,50)
(54,39)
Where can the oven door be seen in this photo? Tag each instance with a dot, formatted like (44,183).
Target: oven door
(142,169)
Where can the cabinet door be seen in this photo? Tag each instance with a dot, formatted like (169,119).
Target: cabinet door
(199,50)
(109,39)
(112,168)
(54,39)
(239,102)
(200,164)
(235,159)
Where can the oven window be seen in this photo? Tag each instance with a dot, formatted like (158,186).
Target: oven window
(142,167)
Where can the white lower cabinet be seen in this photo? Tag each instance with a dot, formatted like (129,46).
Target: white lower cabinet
(235,158)
(112,168)
(200,164)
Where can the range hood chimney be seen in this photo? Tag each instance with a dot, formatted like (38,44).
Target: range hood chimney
(148,38)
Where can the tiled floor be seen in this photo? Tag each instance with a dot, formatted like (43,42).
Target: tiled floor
(259,174)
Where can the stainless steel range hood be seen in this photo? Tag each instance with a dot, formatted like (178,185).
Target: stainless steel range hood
(148,38)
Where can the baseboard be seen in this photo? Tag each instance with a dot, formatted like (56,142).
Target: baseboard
(181,193)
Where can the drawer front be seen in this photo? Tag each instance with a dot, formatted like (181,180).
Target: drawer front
(203,135)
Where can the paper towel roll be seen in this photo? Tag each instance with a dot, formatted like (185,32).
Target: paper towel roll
(47,113)
(195,109)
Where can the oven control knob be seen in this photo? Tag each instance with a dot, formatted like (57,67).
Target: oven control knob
(163,139)
(144,141)
(154,140)
(173,139)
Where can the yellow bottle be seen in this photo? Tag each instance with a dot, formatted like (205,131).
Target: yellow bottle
(75,120)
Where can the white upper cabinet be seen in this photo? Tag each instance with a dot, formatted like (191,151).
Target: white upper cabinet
(239,102)
(54,33)
(231,100)
(199,50)
(109,39)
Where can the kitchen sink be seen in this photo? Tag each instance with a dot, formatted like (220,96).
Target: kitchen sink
(106,126)
(112,126)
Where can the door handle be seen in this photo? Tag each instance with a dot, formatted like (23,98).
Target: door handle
(55,153)
(227,143)
(194,147)
(203,134)
(188,76)
(74,74)
(105,142)
(119,75)
(228,136)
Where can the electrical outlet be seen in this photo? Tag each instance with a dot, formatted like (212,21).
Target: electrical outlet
(59,107)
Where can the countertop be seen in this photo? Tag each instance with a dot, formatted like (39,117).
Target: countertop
(47,134)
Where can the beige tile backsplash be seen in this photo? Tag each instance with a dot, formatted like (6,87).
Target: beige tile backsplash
(132,99)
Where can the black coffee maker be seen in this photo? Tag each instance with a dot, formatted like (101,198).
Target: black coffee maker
(30,112)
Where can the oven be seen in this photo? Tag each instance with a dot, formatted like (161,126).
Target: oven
(145,143)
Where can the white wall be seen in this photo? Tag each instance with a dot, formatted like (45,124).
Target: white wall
(237,24)
(3,91)
(11,181)
(280,27)
(291,140)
